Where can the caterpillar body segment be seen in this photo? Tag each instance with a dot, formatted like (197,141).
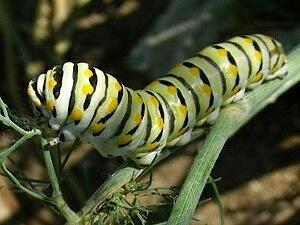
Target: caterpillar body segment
(78,100)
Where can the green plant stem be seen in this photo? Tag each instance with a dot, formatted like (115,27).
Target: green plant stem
(218,199)
(32,193)
(57,196)
(230,120)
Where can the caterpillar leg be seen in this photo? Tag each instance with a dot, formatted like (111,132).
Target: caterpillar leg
(279,73)
(145,159)
(53,141)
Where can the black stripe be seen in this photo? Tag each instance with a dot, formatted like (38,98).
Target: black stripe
(102,100)
(93,81)
(57,76)
(188,64)
(217,46)
(54,114)
(34,87)
(265,44)
(278,55)
(72,97)
(171,114)
(215,65)
(148,128)
(230,58)
(190,91)
(202,75)
(125,117)
(237,45)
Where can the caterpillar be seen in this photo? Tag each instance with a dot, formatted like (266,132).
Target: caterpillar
(78,100)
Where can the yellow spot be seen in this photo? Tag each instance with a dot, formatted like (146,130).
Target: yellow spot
(257,55)
(87,89)
(248,40)
(177,66)
(160,122)
(152,146)
(273,70)
(96,128)
(209,110)
(112,105)
(183,110)
(257,77)
(88,73)
(154,101)
(234,91)
(138,118)
(50,105)
(37,103)
(139,99)
(118,86)
(76,115)
(30,91)
(206,89)
(233,70)
(222,52)
(182,131)
(52,83)
(194,71)
(172,89)
(123,140)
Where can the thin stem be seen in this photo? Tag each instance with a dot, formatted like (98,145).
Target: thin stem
(218,199)
(32,193)
(57,196)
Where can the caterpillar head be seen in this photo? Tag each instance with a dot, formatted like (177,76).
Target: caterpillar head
(43,90)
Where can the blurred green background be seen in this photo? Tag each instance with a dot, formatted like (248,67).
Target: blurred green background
(137,41)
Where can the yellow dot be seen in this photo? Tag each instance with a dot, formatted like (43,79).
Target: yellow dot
(112,105)
(118,87)
(154,101)
(88,73)
(123,140)
(194,71)
(160,122)
(209,110)
(97,127)
(248,40)
(257,55)
(222,52)
(50,105)
(139,99)
(152,146)
(182,131)
(234,91)
(30,91)
(87,89)
(178,65)
(76,115)
(183,110)
(206,89)
(257,77)
(138,118)
(52,83)
(172,89)
(233,70)
(37,103)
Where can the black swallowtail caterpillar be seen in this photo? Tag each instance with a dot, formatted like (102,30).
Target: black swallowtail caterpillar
(78,100)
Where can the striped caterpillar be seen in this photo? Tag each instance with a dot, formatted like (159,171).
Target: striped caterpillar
(78,100)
